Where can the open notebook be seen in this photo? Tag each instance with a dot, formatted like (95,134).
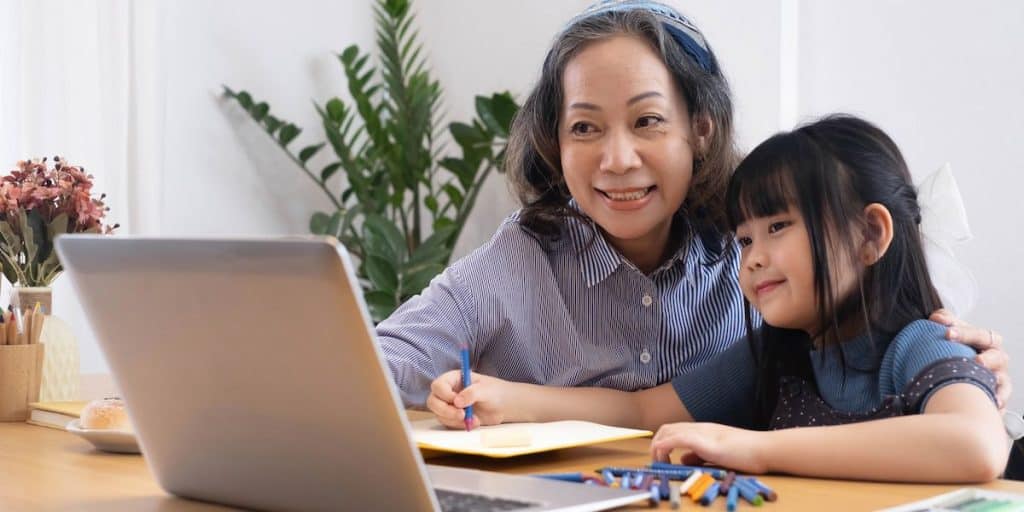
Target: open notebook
(540,437)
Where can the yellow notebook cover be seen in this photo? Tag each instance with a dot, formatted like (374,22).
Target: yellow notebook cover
(54,414)
(556,435)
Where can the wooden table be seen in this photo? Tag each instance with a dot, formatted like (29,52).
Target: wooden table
(48,469)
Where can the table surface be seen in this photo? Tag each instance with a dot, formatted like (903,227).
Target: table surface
(46,469)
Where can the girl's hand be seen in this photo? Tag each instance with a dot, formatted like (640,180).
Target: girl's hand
(988,343)
(447,399)
(720,445)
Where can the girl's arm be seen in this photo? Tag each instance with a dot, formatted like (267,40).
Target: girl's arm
(498,401)
(958,438)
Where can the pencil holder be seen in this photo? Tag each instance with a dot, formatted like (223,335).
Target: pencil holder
(21,371)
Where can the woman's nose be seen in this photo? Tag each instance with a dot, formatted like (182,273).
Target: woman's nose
(619,153)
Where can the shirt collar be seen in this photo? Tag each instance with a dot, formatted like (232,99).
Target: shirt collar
(597,258)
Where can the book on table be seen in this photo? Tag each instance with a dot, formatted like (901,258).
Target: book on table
(55,414)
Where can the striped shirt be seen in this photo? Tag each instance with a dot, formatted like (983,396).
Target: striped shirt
(566,312)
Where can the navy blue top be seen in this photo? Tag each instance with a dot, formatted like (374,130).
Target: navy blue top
(914,364)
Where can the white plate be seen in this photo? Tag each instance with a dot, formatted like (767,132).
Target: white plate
(108,440)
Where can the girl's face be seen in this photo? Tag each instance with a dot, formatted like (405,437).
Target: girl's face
(777,270)
(625,140)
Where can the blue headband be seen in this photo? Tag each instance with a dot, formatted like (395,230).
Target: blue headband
(682,30)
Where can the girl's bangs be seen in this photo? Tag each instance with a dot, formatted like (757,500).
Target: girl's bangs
(760,187)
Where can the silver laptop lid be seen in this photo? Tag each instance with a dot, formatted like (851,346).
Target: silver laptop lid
(205,339)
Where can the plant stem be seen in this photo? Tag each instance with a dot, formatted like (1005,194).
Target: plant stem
(322,185)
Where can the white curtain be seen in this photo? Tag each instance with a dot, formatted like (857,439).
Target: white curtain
(82,79)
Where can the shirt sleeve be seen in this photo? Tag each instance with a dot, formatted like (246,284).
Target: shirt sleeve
(721,390)
(422,338)
(921,361)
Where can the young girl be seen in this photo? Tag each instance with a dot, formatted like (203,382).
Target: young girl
(827,219)
(619,271)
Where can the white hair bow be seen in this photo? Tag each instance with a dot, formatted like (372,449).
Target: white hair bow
(943,225)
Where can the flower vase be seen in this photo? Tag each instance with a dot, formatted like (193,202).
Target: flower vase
(61,379)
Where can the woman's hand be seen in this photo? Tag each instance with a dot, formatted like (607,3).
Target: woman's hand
(988,343)
(720,445)
(448,400)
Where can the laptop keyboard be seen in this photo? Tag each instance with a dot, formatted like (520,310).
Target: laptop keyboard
(454,501)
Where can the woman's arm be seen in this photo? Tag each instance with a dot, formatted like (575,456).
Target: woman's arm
(958,438)
(497,401)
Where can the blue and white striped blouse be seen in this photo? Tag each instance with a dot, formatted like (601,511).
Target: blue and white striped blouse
(566,313)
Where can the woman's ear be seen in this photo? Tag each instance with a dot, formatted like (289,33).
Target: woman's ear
(703,129)
(877,233)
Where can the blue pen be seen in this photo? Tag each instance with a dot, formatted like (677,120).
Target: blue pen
(732,498)
(565,477)
(717,473)
(710,495)
(675,474)
(767,492)
(608,477)
(748,491)
(466,381)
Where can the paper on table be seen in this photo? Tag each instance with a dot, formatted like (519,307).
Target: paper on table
(555,435)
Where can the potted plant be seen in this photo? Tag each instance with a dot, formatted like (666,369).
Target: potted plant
(402,204)
(38,203)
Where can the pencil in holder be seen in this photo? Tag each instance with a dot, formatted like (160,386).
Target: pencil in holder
(21,372)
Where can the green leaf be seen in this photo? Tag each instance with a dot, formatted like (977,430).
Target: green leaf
(465,135)
(381,303)
(431,203)
(272,123)
(259,111)
(385,231)
(504,109)
(443,223)
(329,171)
(435,249)
(244,99)
(336,110)
(334,223)
(349,54)
(308,152)
(381,273)
(318,223)
(415,282)
(461,169)
(454,194)
(483,110)
(288,133)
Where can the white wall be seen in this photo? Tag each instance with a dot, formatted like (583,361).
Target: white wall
(945,81)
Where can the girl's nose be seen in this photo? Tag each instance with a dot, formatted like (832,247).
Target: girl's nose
(755,258)
(619,153)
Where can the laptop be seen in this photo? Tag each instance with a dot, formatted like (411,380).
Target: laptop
(252,377)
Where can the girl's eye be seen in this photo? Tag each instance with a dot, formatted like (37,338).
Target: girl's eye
(744,241)
(581,128)
(649,121)
(775,227)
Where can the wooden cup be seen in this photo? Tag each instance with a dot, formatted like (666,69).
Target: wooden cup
(21,372)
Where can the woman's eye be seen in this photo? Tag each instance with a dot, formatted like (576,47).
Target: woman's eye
(775,227)
(648,121)
(744,241)
(582,128)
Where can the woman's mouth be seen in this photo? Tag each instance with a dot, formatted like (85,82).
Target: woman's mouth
(767,286)
(627,194)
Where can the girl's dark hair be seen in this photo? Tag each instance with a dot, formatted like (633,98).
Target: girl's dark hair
(830,170)
(533,158)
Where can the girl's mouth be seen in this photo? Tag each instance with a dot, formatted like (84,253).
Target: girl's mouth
(628,195)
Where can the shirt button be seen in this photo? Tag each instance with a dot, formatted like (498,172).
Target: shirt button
(646,300)
(645,356)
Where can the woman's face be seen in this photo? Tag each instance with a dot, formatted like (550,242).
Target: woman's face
(626,142)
